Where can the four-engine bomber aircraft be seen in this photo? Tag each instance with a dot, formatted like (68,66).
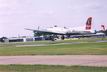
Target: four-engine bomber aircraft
(83,30)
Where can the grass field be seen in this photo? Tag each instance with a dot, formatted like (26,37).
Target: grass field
(68,47)
(49,68)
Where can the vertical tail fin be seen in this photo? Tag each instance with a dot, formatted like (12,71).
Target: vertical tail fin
(89,23)
(103,27)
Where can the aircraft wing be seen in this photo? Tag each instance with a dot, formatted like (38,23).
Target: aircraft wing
(29,29)
(44,31)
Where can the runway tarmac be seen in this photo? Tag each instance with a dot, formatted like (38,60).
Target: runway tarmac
(82,60)
(29,45)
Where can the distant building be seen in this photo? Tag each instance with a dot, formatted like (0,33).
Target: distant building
(17,39)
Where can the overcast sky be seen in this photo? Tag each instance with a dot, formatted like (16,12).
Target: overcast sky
(15,15)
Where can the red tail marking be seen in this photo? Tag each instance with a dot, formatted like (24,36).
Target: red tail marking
(89,23)
(103,27)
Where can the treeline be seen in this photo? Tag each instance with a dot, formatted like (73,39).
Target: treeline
(105,32)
